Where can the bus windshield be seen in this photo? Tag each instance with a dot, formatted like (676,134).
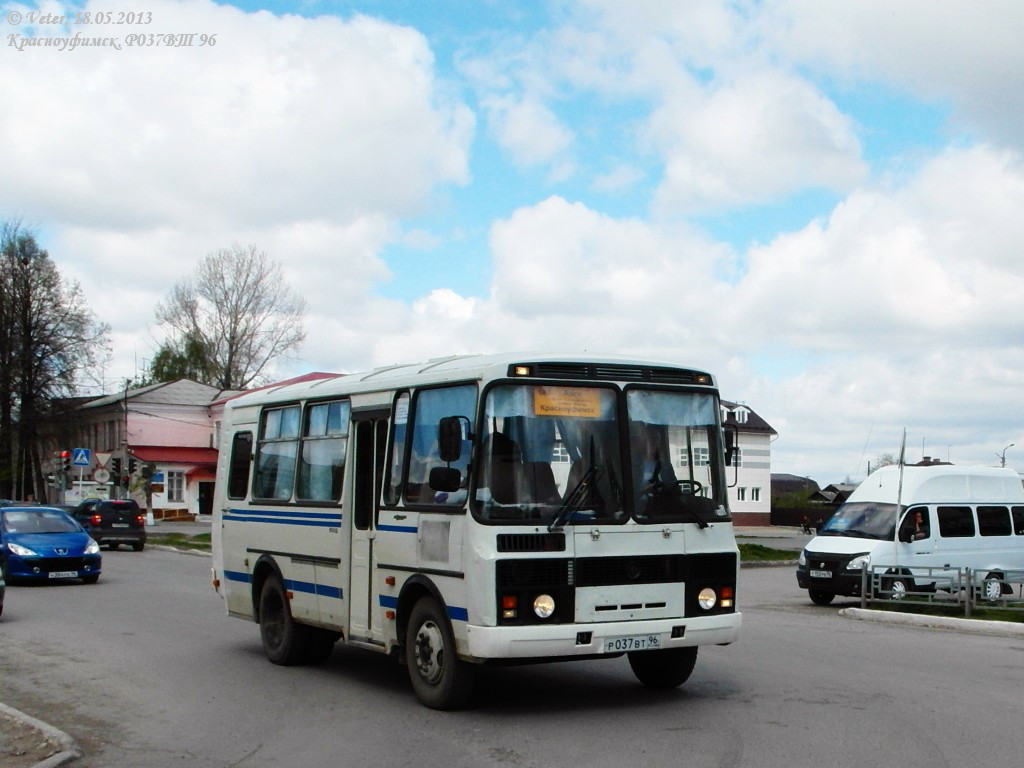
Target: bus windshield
(677,472)
(863,520)
(555,455)
(539,445)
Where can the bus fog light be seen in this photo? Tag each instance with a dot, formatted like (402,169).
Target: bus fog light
(544,606)
(707,598)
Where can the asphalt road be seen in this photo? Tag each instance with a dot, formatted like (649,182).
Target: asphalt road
(144,669)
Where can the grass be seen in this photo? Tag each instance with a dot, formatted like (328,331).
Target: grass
(949,608)
(758,553)
(200,541)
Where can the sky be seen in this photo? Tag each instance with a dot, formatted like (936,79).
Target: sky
(816,200)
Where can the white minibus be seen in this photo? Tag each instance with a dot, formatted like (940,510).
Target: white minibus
(481,509)
(950,517)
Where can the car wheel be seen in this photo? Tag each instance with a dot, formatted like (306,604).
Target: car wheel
(138,546)
(665,668)
(992,588)
(439,677)
(113,545)
(285,641)
(92,578)
(821,597)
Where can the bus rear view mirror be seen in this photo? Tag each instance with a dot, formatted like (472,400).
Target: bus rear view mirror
(447,479)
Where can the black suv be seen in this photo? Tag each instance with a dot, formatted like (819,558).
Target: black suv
(113,522)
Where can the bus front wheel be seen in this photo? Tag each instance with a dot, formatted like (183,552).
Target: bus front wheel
(439,677)
(666,668)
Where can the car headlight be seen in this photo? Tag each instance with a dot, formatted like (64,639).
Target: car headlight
(802,560)
(92,548)
(860,561)
(21,551)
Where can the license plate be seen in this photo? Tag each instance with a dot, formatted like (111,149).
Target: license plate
(120,525)
(632,643)
(821,574)
(63,574)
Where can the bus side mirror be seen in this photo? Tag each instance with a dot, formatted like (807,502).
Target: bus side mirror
(446,479)
(449,438)
(730,443)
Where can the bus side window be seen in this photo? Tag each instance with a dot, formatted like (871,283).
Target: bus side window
(1018,520)
(399,431)
(956,522)
(238,472)
(275,458)
(994,521)
(430,406)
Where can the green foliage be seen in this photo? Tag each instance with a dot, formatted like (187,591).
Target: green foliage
(758,553)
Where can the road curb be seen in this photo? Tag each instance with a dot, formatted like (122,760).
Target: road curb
(69,747)
(971,626)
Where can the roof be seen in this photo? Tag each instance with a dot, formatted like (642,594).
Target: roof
(183,392)
(167,454)
(313,376)
(754,423)
(940,483)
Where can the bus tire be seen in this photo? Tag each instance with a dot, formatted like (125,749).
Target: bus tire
(821,597)
(320,645)
(665,668)
(439,677)
(284,640)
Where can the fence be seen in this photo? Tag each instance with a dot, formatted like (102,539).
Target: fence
(948,587)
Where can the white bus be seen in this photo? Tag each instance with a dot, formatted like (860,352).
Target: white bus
(481,509)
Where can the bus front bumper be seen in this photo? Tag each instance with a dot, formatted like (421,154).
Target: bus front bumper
(557,641)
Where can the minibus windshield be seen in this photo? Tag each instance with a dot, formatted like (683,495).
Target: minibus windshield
(863,520)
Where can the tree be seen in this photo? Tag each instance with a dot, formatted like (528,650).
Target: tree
(230,320)
(48,341)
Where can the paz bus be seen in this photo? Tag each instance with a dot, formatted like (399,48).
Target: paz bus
(481,510)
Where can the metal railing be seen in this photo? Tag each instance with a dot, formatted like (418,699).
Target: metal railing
(949,587)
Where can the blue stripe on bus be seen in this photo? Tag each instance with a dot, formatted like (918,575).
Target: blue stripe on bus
(284,517)
(398,528)
(455,614)
(294,585)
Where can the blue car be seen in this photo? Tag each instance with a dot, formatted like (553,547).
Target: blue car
(45,544)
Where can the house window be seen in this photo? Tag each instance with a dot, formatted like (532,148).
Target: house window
(755,494)
(701,457)
(559,454)
(176,486)
(741,494)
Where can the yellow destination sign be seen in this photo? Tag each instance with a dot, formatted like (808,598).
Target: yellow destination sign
(567,401)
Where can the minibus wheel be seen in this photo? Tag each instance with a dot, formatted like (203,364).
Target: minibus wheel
(897,589)
(439,677)
(820,596)
(284,640)
(992,588)
(665,668)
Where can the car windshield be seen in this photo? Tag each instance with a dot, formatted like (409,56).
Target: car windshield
(38,521)
(862,519)
(675,451)
(550,454)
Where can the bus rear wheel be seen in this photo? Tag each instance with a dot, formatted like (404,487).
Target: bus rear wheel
(666,668)
(439,677)
(285,641)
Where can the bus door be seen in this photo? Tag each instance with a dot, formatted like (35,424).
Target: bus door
(371,430)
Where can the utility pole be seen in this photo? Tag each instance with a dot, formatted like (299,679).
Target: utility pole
(1002,456)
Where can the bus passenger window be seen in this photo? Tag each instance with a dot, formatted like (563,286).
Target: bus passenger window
(994,521)
(238,471)
(324,443)
(278,448)
(399,430)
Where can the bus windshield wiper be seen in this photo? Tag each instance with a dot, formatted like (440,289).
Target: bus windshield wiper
(576,499)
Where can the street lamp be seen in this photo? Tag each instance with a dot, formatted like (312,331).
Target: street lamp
(1002,456)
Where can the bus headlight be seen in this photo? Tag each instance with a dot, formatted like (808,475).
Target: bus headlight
(544,606)
(707,598)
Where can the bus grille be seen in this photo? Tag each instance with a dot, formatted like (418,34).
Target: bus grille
(649,569)
(531,542)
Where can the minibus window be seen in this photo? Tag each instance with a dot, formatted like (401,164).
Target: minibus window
(956,522)
(1018,520)
(994,521)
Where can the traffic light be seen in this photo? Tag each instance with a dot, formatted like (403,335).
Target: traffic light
(65,461)
(132,466)
(115,467)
